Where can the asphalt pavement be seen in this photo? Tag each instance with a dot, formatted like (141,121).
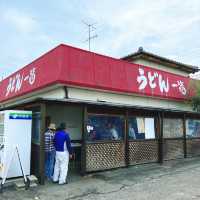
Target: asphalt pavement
(173,180)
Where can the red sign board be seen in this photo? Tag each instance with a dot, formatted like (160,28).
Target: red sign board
(76,67)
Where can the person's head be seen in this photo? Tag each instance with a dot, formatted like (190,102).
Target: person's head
(109,125)
(52,127)
(62,126)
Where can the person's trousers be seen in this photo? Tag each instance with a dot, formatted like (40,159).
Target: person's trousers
(49,163)
(61,167)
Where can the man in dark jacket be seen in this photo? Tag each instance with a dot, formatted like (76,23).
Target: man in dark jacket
(63,148)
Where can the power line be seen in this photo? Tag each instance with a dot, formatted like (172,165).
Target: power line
(91,28)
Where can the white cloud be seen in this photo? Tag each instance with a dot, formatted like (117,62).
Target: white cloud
(21,21)
(164,27)
(22,40)
(167,28)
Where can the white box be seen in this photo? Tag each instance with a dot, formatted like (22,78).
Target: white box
(15,130)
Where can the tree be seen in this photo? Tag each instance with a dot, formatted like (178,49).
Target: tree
(194,94)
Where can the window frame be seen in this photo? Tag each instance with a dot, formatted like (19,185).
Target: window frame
(109,115)
(190,138)
(173,118)
(145,116)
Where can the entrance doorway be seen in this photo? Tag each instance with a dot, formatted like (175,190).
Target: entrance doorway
(72,115)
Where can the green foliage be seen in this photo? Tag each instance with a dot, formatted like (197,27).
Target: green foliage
(195,102)
(194,95)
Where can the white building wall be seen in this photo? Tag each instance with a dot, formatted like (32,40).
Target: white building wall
(54,92)
(71,115)
(160,67)
(124,99)
(104,96)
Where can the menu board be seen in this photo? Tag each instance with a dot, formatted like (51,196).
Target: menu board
(149,128)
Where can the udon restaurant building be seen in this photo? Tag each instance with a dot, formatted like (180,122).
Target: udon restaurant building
(119,112)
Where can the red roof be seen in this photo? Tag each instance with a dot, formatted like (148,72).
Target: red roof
(76,67)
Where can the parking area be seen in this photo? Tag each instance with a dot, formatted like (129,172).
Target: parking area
(178,179)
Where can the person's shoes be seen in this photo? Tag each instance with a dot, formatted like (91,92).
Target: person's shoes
(64,183)
(55,182)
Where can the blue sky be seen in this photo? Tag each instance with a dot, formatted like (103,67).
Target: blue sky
(30,28)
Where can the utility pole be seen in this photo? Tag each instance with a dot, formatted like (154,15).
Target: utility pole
(91,28)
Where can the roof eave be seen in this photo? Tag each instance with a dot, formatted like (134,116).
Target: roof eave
(161,60)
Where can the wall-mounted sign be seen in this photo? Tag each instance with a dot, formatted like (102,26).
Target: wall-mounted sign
(24,116)
(76,67)
(160,83)
(17,81)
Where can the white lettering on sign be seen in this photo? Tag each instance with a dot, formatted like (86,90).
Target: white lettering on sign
(181,87)
(15,83)
(89,128)
(152,81)
(156,79)
(142,79)
(163,84)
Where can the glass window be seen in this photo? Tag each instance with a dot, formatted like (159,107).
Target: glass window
(192,128)
(36,117)
(172,128)
(105,127)
(141,128)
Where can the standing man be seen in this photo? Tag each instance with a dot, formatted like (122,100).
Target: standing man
(49,151)
(63,148)
(113,132)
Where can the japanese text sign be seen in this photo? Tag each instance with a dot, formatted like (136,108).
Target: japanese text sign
(71,66)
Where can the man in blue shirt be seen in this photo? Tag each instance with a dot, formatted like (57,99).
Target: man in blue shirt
(63,148)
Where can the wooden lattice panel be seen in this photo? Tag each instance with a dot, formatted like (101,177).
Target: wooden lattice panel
(143,151)
(173,149)
(101,156)
(193,147)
